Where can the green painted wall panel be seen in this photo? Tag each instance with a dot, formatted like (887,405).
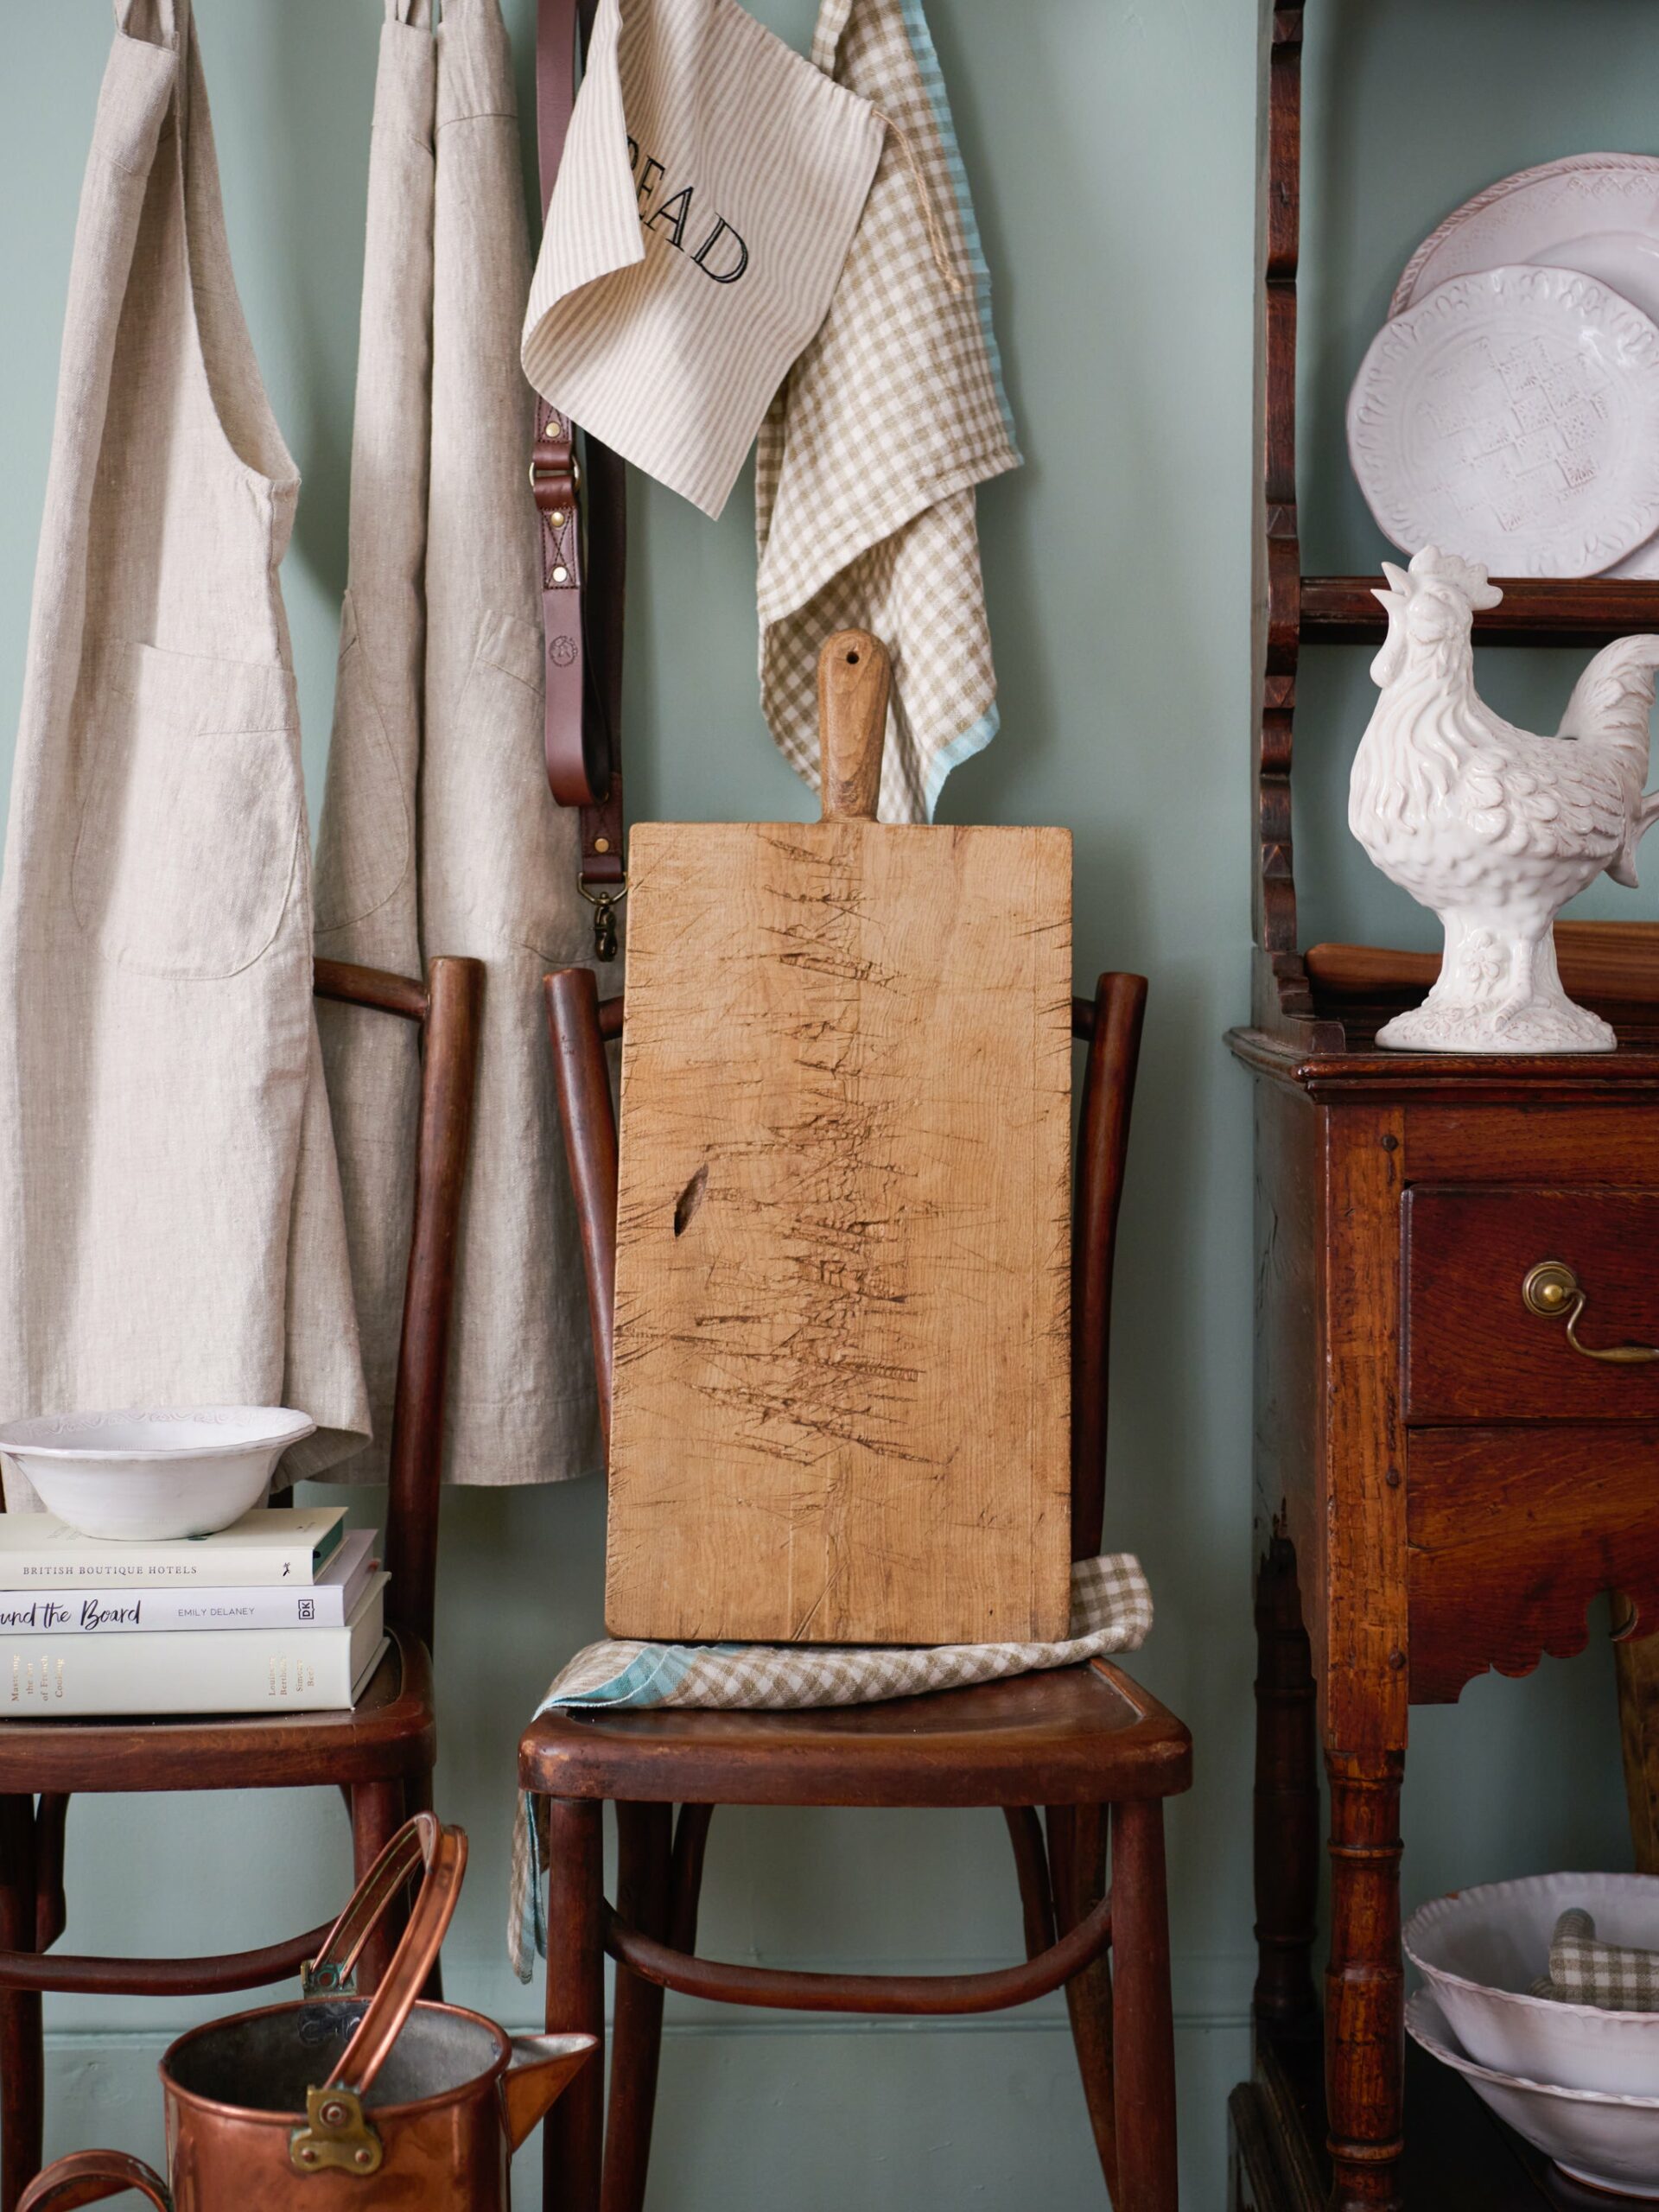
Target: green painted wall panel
(1112,146)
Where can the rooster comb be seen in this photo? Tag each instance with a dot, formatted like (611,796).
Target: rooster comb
(1469,577)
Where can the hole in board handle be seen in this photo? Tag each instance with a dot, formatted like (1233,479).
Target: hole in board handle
(852,659)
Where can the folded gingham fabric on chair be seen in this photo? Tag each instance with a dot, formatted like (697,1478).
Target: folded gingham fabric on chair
(1111,1611)
(1611,1976)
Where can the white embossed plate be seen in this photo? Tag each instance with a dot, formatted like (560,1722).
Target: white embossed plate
(1512,417)
(1521,218)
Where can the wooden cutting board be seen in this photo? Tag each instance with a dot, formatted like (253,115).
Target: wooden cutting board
(841,1399)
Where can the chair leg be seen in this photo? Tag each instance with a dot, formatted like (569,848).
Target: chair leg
(1143,2031)
(1031,1864)
(22,2060)
(51,1909)
(377,1815)
(645,1849)
(573,2133)
(1077,1845)
(417,1798)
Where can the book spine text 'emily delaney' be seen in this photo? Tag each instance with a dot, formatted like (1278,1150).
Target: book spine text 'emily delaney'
(238,1670)
(127,1610)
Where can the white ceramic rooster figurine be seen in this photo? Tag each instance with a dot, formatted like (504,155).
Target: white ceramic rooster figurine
(1493,828)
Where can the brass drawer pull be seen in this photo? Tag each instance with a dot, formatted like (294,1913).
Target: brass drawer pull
(1551,1289)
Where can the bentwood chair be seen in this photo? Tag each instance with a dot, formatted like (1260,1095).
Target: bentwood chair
(1085,1743)
(380,1755)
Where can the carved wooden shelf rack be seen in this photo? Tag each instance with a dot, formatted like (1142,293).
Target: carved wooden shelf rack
(1443,1482)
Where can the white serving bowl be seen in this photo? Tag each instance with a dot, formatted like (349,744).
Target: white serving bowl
(1609,2142)
(146,1476)
(1480,1950)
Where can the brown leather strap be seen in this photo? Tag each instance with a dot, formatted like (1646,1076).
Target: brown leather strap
(582,572)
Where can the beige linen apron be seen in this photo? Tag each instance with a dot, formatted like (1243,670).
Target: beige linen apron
(439,834)
(169,1204)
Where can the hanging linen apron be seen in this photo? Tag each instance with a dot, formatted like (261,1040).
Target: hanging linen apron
(169,1204)
(439,834)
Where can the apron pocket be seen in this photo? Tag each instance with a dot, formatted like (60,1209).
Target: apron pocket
(363,847)
(191,831)
(522,889)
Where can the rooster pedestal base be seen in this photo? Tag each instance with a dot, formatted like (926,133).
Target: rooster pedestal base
(1498,993)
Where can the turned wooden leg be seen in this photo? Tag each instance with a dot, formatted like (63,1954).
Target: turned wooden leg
(1143,2029)
(1077,1851)
(1286,1798)
(23,2064)
(645,1851)
(573,2133)
(377,1815)
(1364,1983)
(51,1907)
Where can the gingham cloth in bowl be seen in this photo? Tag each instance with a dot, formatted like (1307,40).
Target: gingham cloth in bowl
(1111,1611)
(1614,1977)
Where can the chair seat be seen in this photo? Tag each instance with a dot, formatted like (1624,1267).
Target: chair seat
(390,1734)
(1079,1735)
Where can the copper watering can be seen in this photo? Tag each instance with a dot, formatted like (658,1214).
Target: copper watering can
(340,2103)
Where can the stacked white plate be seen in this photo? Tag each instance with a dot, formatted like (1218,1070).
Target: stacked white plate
(1580,2082)
(1509,409)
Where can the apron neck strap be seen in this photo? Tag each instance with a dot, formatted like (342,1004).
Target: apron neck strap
(161,22)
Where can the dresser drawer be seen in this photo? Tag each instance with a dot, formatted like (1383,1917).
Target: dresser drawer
(1474,1351)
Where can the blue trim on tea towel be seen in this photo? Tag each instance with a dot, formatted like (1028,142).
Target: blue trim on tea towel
(961,748)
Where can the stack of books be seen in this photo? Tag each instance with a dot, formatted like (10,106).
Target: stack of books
(283,1611)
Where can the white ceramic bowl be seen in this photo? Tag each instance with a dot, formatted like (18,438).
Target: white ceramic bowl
(1480,1950)
(145,1476)
(1609,2142)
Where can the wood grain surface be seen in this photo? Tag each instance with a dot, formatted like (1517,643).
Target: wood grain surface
(842,1317)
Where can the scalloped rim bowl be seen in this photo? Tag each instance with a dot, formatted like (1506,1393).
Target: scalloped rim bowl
(149,1475)
(1479,1950)
(1609,2142)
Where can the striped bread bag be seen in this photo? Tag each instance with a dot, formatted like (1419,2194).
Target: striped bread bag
(711,183)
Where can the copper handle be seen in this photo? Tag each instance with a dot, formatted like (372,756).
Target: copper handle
(1552,1290)
(443,1852)
(89,2176)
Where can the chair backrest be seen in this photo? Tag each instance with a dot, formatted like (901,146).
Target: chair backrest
(446,1007)
(1109,1023)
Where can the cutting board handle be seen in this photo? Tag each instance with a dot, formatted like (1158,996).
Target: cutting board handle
(854,676)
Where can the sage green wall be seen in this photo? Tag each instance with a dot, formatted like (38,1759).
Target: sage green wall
(1113,150)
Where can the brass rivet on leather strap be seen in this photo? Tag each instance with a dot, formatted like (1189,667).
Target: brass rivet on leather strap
(601,844)
(560,576)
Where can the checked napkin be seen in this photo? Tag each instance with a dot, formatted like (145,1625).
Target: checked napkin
(1611,1976)
(1111,1611)
(867,463)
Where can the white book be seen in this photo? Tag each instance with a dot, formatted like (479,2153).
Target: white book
(121,1609)
(282,1545)
(231,1670)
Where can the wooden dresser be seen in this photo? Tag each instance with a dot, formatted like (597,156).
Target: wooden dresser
(1443,1482)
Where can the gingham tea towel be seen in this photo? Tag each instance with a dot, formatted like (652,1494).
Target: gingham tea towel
(710,185)
(1111,1611)
(1611,1976)
(868,458)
